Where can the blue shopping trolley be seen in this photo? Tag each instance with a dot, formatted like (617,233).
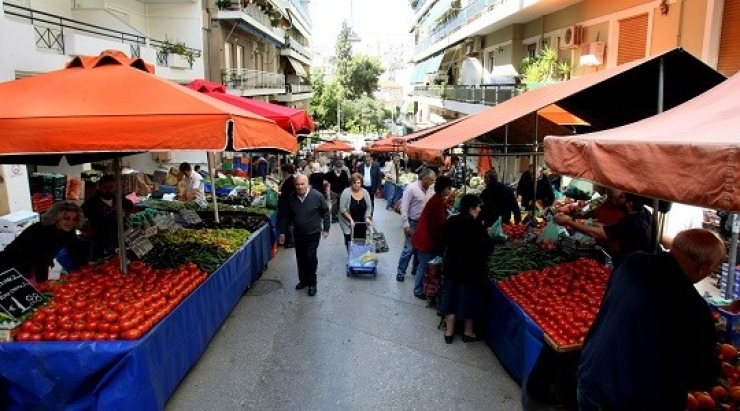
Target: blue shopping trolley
(356,249)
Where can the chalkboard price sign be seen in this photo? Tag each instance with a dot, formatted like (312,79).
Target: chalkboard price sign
(17,295)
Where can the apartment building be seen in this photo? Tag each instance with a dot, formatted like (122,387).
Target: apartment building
(468,53)
(261,49)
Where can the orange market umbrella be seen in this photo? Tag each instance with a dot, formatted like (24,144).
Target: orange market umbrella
(335,145)
(111,103)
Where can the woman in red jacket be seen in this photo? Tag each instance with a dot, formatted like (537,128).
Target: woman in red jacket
(426,238)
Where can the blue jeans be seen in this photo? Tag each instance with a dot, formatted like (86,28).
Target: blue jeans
(421,271)
(389,191)
(408,251)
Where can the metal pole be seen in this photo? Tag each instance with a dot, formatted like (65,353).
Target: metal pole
(730,285)
(119,214)
(211,173)
(656,222)
(534,163)
(506,152)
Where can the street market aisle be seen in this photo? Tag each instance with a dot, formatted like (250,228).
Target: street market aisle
(359,344)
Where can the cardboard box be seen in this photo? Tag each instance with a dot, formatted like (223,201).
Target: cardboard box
(16,222)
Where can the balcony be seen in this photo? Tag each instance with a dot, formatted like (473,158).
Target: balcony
(254,17)
(295,92)
(297,6)
(254,82)
(488,95)
(472,11)
(418,4)
(297,51)
(43,42)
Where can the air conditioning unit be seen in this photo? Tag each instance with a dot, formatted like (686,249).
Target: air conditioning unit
(571,37)
(592,54)
(472,45)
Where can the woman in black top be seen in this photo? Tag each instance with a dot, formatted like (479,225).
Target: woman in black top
(354,207)
(32,252)
(465,268)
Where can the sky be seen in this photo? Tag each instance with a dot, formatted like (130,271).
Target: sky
(375,21)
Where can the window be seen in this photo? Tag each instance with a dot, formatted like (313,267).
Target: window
(632,38)
(239,57)
(491,61)
(729,47)
(531,50)
(227,56)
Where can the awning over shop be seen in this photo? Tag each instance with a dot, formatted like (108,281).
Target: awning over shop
(430,65)
(331,146)
(606,99)
(298,67)
(688,154)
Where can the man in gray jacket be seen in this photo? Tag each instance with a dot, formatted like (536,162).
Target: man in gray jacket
(308,212)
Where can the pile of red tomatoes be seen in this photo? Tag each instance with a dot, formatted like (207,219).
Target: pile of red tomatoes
(563,300)
(515,231)
(101,303)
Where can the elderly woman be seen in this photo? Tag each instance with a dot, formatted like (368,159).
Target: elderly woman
(354,207)
(32,252)
(465,271)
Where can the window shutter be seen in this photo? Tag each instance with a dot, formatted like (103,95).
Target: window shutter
(729,43)
(632,38)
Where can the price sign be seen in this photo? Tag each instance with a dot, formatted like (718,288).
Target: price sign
(190,216)
(165,222)
(138,243)
(17,295)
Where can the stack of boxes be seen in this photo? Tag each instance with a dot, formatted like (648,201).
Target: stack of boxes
(46,189)
(722,284)
(13,224)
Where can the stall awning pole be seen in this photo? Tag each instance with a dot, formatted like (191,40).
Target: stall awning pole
(119,214)
(732,262)
(657,222)
(212,173)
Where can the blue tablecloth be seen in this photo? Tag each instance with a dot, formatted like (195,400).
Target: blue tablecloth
(513,336)
(140,374)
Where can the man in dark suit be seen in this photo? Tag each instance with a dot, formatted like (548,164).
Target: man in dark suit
(287,188)
(371,177)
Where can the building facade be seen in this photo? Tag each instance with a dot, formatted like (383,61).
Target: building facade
(469,53)
(261,49)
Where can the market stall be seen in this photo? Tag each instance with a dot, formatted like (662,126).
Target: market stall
(333,146)
(101,108)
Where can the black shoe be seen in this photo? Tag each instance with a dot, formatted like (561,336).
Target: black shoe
(289,246)
(450,338)
(311,291)
(399,277)
(300,286)
(467,338)
(420,296)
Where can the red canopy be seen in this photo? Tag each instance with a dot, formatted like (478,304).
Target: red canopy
(688,154)
(292,120)
(335,145)
(111,103)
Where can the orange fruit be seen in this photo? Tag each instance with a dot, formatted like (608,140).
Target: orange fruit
(728,353)
(718,392)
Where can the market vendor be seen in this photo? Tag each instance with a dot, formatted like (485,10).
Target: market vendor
(194,187)
(499,201)
(633,232)
(32,252)
(102,225)
(611,212)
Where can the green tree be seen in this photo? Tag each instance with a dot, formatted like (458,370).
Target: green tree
(342,52)
(366,115)
(362,76)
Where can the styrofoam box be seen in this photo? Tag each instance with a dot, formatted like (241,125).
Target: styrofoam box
(16,222)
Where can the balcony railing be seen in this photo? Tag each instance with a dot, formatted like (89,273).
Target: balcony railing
(300,48)
(473,10)
(303,12)
(419,4)
(299,88)
(255,13)
(253,79)
(489,95)
(51,29)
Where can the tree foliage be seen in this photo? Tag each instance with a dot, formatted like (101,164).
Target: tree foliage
(351,87)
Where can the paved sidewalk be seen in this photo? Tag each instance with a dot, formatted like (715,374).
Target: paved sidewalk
(358,344)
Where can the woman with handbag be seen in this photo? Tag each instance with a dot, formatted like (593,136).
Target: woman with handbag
(467,247)
(426,238)
(355,205)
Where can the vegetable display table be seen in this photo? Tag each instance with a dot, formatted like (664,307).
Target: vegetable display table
(130,374)
(519,344)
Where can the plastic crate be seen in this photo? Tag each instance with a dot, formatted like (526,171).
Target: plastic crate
(223,191)
(167,189)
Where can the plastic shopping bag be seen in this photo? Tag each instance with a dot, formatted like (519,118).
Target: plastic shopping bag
(496,232)
(551,233)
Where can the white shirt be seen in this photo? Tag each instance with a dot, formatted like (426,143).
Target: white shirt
(413,201)
(367,181)
(194,187)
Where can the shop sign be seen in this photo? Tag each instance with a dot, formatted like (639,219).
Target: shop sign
(17,295)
